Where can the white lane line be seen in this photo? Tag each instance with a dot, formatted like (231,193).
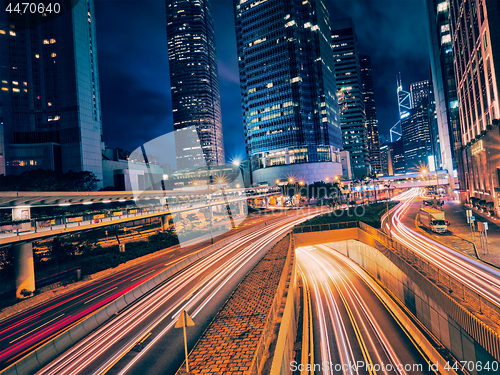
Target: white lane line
(107,291)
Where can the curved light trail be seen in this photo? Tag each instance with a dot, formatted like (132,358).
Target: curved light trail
(191,289)
(357,335)
(477,276)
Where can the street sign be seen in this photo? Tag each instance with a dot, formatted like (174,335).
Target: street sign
(482,226)
(184,320)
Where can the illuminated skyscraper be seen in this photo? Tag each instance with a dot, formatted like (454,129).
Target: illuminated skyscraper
(371,113)
(50,107)
(288,90)
(444,87)
(415,129)
(194,84)
(475,40)
(419,91)
(350,93)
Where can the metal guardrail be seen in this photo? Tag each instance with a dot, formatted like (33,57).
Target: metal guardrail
(456,291)
(322,227)
(459,299)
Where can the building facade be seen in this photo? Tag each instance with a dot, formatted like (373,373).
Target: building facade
(50,107)
(371,113)
(355,134)
(194,84)
(475,40)
(444,88)
(386,158)
(416,134)
(288,90)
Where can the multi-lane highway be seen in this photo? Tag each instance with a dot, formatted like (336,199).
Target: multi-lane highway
(201,289)
(478,276)
(22,333)
(353,332)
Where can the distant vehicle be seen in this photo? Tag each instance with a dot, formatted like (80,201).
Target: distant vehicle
(427,203)
(433,219)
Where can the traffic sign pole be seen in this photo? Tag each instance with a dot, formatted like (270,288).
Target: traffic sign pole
(183,322)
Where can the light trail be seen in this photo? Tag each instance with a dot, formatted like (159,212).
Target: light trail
(103,348)
(342,310)
(477,276)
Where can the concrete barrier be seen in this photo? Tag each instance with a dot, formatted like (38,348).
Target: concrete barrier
(43,355)
(423,289)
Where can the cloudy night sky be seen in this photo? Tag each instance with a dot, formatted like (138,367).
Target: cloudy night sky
(134,77)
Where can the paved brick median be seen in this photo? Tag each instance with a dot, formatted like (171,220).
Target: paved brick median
(229,344)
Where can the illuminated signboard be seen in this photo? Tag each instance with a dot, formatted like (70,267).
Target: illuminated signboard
(477,147)
(405,115)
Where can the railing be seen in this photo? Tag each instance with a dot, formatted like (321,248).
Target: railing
(460,301)
(454,287)
(322,227)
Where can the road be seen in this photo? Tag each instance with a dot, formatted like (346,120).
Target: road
(201,289)
(22,333)
(478,276)
(353,331)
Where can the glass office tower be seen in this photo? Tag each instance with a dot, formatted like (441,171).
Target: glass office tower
(415,129)
(355,134)
(444,87)
(50,106)
(288,90)
(194,84)
(371,113)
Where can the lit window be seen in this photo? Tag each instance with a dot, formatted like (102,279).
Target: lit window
(269,85)
(446,39)
(2,32)
(442,7)
(45,41)
(49,104)
(15,82)
(37,56)
(25,83)
(15,89)
(4,82)
(12,33)
(52,41)
(5,89)
(53,54)
(25,90)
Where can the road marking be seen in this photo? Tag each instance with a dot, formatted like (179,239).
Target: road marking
(144,274)
(20,337)
(100,295)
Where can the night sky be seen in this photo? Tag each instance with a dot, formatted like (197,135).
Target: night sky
(134,77)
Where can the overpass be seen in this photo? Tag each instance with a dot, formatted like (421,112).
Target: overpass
(149,204)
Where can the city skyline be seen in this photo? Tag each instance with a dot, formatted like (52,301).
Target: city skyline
(129,112)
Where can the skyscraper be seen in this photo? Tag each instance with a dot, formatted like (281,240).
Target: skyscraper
(350,94)
(444,86)
(415,129)
(371,113)
(288,90)
(419,91)
(194,84)
(475,39)
(50,104)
